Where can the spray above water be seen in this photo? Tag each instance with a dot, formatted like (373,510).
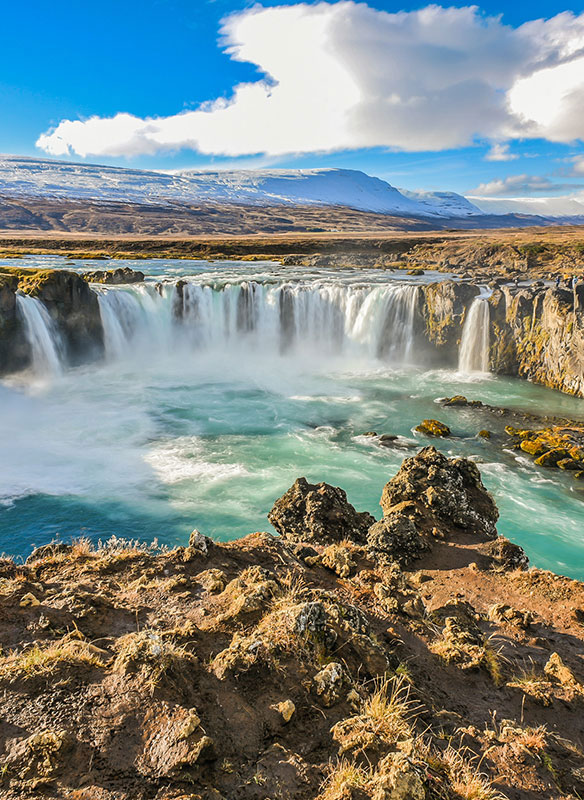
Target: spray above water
(474,345)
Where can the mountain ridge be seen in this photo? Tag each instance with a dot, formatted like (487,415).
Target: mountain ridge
(32,177)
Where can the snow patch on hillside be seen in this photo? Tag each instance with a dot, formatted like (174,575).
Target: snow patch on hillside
(448,203)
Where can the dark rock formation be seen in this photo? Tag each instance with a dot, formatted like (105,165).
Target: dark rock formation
(320,513)
(506,555)
(69,300)
(115,277)
(14,349)
(394,539)
(444,311)
(74,308)
(442,493)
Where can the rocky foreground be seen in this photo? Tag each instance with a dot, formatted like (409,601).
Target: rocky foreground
(411,658)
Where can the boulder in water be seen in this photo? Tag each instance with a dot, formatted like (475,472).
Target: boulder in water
(432,427)
(442,493)
(320,513)
(114,277)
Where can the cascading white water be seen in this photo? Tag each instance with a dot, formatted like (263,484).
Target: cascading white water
(378,321)
(474,345)
(132,319)
(45,342)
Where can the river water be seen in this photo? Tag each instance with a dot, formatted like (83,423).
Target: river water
(214,398)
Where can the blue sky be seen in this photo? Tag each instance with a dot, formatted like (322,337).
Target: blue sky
(158,58)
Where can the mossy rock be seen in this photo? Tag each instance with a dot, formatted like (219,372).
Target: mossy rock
(521,434)
(552,457)
(416,271)
(485,434)
(457,400)
(432,427)
(534,447)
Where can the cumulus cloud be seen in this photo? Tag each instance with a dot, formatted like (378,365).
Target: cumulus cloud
(516,185)
(343,75)
(500,152)
(578,166)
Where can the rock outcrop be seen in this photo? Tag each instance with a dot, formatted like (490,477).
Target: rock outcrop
(318,513)
(444,310)
(441,494)
(14,348)
(115,277)
(538,334)
(74,309)
(71,303)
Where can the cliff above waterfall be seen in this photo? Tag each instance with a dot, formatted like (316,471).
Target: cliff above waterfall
(412,658)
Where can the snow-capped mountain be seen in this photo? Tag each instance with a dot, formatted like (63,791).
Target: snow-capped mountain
(32,177)
(449,204)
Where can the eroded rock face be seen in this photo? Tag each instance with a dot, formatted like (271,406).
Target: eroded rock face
(75,309)
(70,302)
(538,334)
(320,513)
(14,349)
(442,493)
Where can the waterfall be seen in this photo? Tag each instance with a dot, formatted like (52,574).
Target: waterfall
(377,321)
(267,317)
(45,342)
(133,319)
(474,345)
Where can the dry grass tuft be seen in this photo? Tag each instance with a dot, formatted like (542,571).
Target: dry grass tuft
(386,718)
(466,780)
(534,740)
(344,776)
(535,684)
(45,660)
(154,655)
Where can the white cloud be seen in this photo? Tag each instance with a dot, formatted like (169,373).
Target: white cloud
(500,152)
(516,185)
(578,166)
(343,75)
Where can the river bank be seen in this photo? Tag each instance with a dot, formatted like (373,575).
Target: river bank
(523,253)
